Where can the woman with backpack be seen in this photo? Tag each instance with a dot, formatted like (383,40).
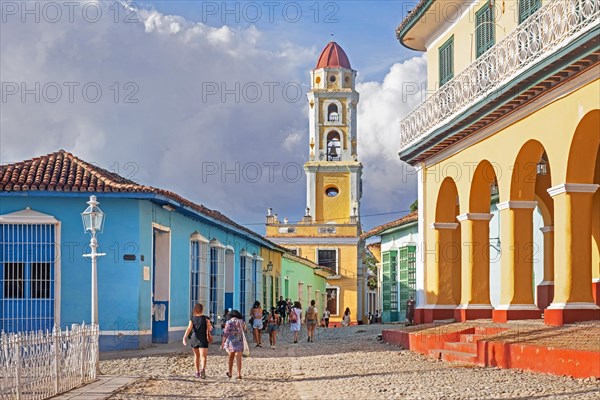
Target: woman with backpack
(311,320)
(198,331)
(295,320)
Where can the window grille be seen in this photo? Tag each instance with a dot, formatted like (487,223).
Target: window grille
(243,288)
(199,292)
(27,269)
(217,281)
(328,258)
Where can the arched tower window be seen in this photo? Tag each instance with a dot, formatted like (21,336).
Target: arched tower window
(333,146)
(332,113)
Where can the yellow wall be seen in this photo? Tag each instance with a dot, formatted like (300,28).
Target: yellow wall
(332,209)
(553,125)
(464,36)
(347,264)
(275,258)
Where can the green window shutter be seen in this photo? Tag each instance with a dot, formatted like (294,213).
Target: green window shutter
(407,272)
(446,61)
(527,8)
(485,29)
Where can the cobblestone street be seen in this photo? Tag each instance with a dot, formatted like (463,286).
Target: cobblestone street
(347,363)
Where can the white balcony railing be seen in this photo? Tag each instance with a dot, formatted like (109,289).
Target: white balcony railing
(553,26)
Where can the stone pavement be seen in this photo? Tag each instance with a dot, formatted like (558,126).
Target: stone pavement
(346,363)
(102,388)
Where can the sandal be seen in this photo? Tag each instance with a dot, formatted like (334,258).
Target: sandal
(203,374)
(197,375)
(228,375)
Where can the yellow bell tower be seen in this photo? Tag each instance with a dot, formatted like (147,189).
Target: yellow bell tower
(329,232)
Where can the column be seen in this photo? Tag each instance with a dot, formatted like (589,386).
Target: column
(441,274)
(545,290)
(475,267)
(516,288)
(573,300)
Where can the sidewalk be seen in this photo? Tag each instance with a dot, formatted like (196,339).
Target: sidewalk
(107,384)
(100,389)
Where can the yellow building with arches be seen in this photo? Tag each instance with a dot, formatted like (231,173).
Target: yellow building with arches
(329,232)
(510,131)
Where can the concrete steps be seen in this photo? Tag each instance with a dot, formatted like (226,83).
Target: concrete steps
(463,347)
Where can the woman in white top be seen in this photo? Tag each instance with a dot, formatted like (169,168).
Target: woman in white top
(346,319)
(296,320)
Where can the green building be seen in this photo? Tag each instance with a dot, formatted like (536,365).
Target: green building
(396,256)
(303,281)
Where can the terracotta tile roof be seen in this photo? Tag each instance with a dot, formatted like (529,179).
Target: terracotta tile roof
(412,217)
(61,171)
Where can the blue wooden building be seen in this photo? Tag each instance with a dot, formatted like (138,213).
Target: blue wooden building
(163,254)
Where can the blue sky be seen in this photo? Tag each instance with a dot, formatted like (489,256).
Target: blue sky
(164,55)
(364,28)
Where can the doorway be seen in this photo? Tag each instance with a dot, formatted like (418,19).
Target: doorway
(161,267)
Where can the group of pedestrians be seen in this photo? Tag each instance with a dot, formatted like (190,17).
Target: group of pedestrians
(233,327)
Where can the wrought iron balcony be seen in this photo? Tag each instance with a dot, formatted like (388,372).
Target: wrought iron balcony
(554,25)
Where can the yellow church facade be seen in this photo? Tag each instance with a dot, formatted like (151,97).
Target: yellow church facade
(329,232)
(507,150)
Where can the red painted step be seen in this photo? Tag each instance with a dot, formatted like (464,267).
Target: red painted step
(471,338)
(463,347)
(458,356)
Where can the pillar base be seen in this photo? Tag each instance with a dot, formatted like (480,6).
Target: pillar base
(560,314)
(438,312)
(596,291)
(511,312)
(419,316)
(545,294)
(465,312)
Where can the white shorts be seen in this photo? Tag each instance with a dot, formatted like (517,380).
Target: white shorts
(257,324)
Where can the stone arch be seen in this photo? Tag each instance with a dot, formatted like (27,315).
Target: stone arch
(575,207)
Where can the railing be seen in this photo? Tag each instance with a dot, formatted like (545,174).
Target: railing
(38,365)
(555,24)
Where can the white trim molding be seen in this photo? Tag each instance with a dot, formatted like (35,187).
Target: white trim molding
(573,188)
(475,217)
(519,307)
(546,283)
(517,204)
(444,225)
(474,307)
(438,307)
(573,306)
(595,280)
(546,229)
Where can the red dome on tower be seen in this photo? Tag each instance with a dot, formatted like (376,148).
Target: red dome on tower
(333,56)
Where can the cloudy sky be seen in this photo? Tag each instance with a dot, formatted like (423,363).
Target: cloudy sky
(206,100)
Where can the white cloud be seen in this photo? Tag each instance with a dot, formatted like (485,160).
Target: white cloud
(177,131)
(389,185)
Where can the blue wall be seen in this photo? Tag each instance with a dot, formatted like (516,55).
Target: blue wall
(124,297)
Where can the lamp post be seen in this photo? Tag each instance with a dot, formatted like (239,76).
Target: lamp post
(93,221)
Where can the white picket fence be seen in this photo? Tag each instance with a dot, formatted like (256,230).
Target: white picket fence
(38,365)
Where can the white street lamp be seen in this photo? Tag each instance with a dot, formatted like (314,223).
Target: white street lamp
(93,221)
